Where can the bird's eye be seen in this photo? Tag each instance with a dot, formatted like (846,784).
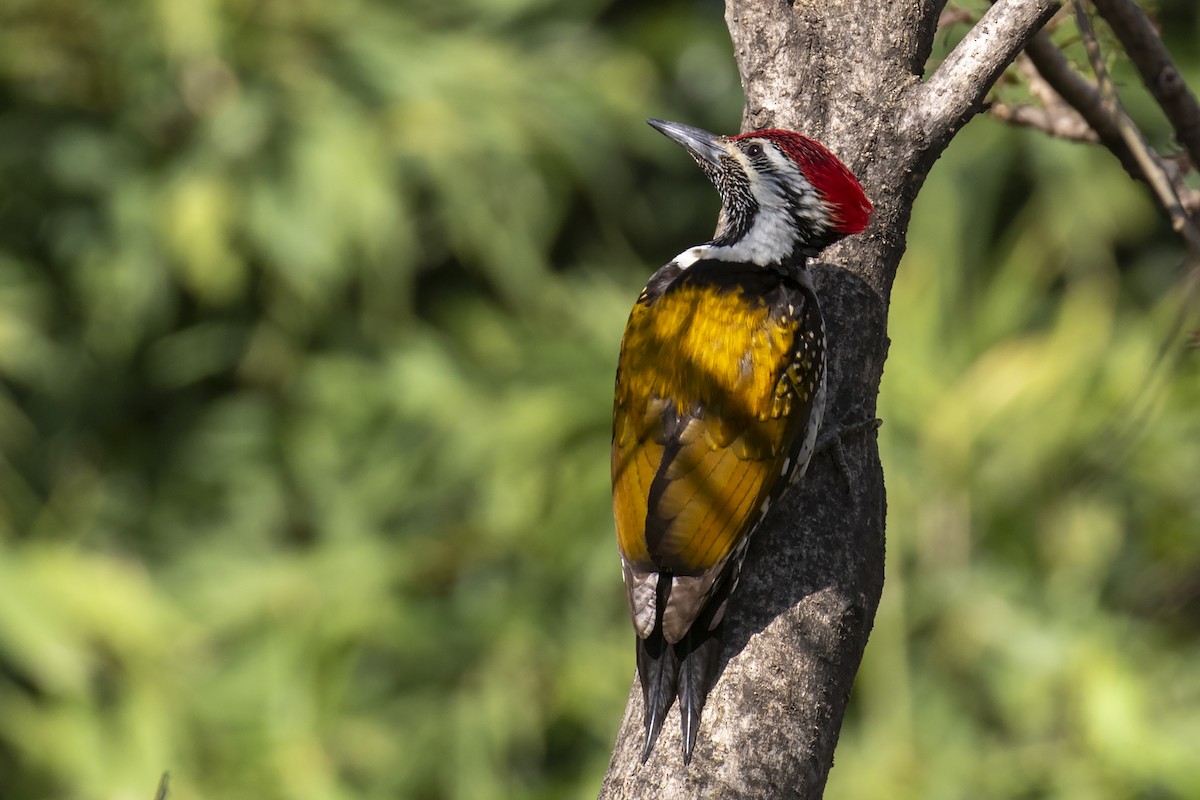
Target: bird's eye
(754,150)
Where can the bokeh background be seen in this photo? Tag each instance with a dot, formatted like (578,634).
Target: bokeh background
(309,311)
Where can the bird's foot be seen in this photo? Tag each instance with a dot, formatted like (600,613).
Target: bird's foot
(831,437)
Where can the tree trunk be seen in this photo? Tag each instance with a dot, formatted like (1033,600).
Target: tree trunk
(846,72)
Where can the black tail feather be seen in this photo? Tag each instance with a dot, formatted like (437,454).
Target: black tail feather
(699,655)
(658,669)
(687,669)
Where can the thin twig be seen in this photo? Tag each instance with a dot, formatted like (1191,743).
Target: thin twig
(1146,50)
(1051,100)
(955,16)
(1179,166)
(1056,116)
(1051,114)
(1083,96)
(1148,161)
(163,787)
(1071,127)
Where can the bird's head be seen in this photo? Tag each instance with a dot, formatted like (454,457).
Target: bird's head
(784,196)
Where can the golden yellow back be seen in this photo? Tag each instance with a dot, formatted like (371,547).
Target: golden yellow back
(714,384)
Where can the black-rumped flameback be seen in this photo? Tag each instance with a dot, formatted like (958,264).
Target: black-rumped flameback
(720,392)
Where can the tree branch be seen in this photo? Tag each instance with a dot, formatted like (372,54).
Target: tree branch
(1147,160)
(955,92)
(1050,114)
(1052,122)
(1146,50)
(1083,96)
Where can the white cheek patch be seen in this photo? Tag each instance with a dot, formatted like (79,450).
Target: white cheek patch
(780,216)
(774,234)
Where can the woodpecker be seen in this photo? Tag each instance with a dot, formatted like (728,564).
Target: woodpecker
(720,391)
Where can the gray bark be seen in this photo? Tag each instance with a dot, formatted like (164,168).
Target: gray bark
(849,73)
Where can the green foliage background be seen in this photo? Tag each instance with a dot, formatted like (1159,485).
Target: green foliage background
(308,319)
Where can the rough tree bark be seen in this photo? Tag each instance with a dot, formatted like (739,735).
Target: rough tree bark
(849,73)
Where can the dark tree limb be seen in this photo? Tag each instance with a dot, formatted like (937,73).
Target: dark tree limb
(1049,113)
(1115,132)
(1148,162)
(1100,106)
(847,72)
(1146,50)
(1083,96)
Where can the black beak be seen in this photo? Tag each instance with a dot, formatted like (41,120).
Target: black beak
(705,147)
